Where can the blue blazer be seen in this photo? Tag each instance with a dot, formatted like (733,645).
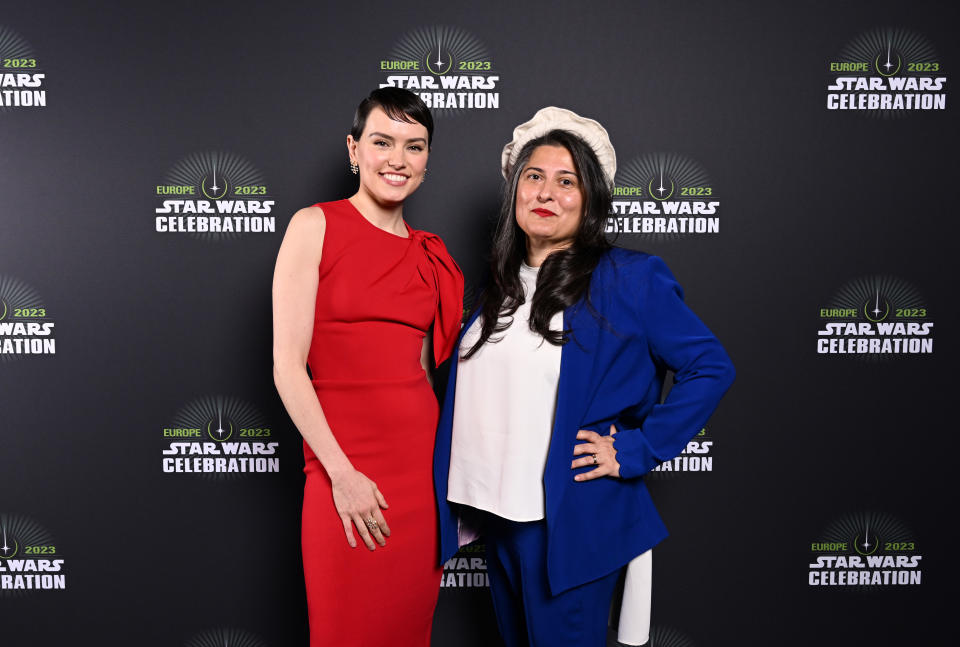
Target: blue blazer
(612,372)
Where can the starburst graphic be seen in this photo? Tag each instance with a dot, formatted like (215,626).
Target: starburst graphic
(889,51)
(15,294)
(209,170)
(215,174)
(669,637)
(220,418)
(10,547)
(17,531)
(884,47)
(440,49)
(875,297)
(225,637)
(661,176)
(440,45)
(662,173)
(13,45)
(865,531)
(867,534)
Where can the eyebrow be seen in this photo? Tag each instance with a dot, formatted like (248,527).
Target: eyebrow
(537,168)
(391,138)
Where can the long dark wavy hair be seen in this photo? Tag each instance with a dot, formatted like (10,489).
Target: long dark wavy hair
(564,277)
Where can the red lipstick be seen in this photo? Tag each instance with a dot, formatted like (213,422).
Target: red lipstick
(544,213)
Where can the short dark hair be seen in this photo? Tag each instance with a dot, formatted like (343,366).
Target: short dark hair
(399,104)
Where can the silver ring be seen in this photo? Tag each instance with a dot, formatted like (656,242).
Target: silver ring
(371,523)
(595,461)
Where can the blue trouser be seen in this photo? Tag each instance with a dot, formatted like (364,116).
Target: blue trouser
(527,613)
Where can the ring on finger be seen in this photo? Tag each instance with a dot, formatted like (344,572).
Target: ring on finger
(371,523)
(595,461)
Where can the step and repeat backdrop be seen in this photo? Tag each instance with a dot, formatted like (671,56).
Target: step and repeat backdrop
(794,163)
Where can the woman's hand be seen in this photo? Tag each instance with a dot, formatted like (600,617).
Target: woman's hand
(358,502)
(599,451)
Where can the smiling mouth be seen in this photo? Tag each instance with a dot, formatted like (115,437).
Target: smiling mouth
(394,178)
(544,213)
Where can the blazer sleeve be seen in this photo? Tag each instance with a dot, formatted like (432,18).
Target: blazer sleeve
(703,372)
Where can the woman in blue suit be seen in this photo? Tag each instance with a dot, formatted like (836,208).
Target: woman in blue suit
(552,413)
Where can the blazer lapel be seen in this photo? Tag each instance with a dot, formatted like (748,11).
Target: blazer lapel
(576,375)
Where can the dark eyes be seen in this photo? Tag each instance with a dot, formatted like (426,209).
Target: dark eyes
(382,143)
(565,181)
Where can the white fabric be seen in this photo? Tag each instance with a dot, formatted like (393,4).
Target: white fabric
(553,118)
(506,395)
(634,628)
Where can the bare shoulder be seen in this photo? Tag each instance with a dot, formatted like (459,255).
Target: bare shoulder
(308,219)
(303,241)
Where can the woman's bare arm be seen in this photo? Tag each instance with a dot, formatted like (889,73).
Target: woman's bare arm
(295,280)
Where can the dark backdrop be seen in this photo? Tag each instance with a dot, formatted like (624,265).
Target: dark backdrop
(808,447)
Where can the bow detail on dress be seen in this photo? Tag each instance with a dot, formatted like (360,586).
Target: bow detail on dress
(448,280)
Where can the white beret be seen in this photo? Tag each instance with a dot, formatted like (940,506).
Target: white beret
(553,118)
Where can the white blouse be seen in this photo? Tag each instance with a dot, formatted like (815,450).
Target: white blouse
(505,401)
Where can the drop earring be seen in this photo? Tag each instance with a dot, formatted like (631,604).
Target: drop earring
(354,168)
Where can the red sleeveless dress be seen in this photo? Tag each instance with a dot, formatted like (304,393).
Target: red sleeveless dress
(379,294)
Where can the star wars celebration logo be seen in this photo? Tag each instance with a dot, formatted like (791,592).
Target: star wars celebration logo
(220,438)
(26,327)
(450,69)
(664,196)
(225,637)
(214,196)
(887,72)
(21,81)
(696,457)
(30,560)
(865,551)
(875,317)
(467,569)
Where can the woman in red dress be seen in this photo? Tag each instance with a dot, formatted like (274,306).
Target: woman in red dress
(365,301)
